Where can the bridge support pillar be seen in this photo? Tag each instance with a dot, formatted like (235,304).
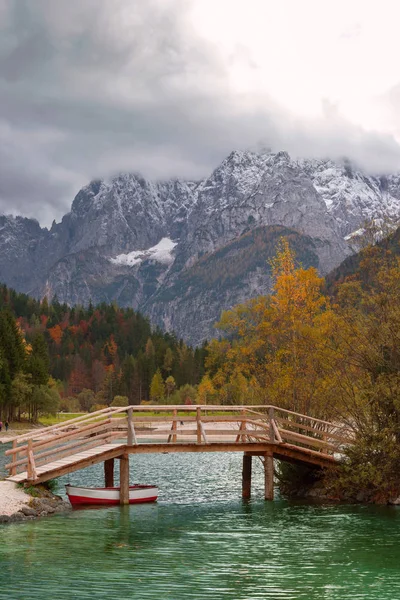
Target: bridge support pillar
(124,479)
(269,476)
(246,476)
(109,472)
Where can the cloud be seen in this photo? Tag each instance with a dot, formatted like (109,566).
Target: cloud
(92,88)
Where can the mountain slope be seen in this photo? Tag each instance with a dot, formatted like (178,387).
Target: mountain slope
(350,267)
(141,243)
(231,275)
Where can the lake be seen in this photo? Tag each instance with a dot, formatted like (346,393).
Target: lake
(200,540)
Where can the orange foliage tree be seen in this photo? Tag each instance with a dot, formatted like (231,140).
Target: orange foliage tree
(278,347)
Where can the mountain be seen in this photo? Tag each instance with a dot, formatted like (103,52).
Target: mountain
(182,251)
(352,268)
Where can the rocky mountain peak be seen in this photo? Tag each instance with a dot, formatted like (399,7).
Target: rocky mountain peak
(165,246)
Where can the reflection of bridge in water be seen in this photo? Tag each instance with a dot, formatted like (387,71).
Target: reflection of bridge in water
(266,431)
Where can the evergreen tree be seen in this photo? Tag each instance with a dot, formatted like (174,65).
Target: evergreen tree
(38,360)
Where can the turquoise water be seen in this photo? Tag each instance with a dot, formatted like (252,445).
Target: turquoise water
(201,541)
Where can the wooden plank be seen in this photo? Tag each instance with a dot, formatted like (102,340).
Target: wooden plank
(223,419)
(174,425)
(328,434)
(271,429)
(192,432)
(67,450)
(305,439)
(66,424)
(281,451)
(78,446)
(92,428)
(172,436)
(13,466)
(131,429)
(254,412)
(52,473)
(71,459)
(203,433)
(242,428)
(31,462)
(291,412)
(277,434)
(163,419)
(204,418)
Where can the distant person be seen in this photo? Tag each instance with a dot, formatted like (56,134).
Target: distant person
(1,425)
(6,425)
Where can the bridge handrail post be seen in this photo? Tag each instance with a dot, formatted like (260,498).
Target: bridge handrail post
(13,468)
(198,419)
(242,427)
(131,437)
(271,416)
(172,435)
(31,469)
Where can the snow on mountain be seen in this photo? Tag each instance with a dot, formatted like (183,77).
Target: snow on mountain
(352,197)
(161,252)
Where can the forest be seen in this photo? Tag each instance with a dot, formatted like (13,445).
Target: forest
(87,358)
(334,356)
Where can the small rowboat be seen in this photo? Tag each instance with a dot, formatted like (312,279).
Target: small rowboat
(110,495)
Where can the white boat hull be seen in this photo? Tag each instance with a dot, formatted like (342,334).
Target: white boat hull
(110,496)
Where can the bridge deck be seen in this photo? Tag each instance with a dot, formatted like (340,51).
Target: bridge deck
(84,441)
(72,463)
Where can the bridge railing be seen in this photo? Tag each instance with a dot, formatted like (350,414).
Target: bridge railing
(49,444)
(198,424)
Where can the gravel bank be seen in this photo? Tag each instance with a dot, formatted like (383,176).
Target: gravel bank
(17,505)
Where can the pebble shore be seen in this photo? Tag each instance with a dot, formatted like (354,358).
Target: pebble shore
(17,505)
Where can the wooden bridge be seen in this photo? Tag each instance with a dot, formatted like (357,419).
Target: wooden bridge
(115,433)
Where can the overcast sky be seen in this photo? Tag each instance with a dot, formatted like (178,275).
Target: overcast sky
(89,88)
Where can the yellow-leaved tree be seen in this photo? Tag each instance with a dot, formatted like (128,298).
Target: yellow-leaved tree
(278,348)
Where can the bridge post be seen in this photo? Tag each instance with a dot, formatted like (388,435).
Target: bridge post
(198,420)
(271,429)
(174,426)
(246,476)
(130,428)
(269,476)
(109,472)
(124,479)
(13,470)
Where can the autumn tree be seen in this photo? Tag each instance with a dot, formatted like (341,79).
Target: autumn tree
(206,390)
(168,361)
(120,401)
(157,388)
(368,376)
(277,347)
(170,385)
(86,399)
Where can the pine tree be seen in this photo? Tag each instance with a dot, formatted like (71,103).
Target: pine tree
(38,361)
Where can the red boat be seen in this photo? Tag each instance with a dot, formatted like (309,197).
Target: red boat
(110,495)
